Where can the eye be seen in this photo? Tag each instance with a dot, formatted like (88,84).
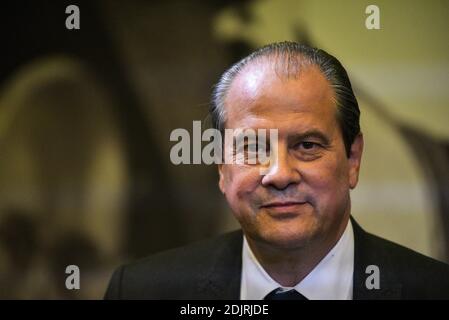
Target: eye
(309,150)
(247,148)
(307,145)
(252,147)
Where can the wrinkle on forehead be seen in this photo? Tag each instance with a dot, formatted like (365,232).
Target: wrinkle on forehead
(283,65)
(260,91)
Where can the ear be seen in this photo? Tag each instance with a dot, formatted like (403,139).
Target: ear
(355,159)
(221,181)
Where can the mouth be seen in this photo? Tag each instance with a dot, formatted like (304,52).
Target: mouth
(284,207)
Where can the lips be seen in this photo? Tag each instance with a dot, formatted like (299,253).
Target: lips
(282,204)
(284,209)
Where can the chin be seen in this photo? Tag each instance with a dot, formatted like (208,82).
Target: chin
(289,232)
(287,236)
(287,240)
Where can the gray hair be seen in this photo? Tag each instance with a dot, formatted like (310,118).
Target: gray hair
(290,58)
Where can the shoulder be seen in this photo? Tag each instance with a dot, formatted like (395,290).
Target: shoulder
(177,270)
(418,275)
(404,258)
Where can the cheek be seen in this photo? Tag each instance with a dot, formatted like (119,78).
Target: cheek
(327,179)
(240,184)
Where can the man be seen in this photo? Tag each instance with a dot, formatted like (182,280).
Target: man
(298,240)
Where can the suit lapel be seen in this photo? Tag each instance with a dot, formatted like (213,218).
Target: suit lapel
(222,280)
(364,256)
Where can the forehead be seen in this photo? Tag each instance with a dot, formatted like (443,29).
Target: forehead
(261,96)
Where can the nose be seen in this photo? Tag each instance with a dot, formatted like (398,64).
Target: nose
(282,172)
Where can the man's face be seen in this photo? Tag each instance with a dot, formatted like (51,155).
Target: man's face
(305,195)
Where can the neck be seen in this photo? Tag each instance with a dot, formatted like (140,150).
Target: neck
(289,266)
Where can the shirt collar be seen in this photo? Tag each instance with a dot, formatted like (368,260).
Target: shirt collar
(331,279)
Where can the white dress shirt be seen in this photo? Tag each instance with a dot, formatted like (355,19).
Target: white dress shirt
(331,279)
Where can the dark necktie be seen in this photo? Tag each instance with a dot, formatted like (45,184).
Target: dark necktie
(284,295)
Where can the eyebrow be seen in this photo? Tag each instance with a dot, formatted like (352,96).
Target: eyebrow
(312,133)
(317,134)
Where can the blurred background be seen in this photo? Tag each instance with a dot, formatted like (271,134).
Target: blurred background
(86,115)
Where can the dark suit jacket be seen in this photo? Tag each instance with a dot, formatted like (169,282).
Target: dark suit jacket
(212,269)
